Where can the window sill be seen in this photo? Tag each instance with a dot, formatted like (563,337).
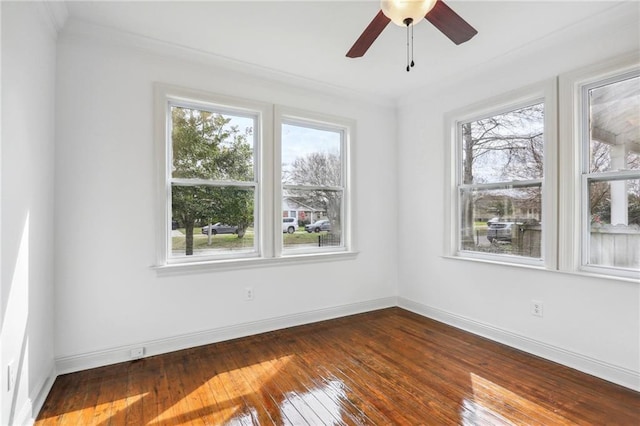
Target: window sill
(579,272)
(527,265)
(247,263)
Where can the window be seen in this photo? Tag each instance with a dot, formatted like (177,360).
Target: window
(212,185)
(610,183)
(234,188)
(314,181)
(499,195)
(505,171)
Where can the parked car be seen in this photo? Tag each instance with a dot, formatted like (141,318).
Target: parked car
(220,228)
(321,225)
(289,224)
(500,231)
(174,225)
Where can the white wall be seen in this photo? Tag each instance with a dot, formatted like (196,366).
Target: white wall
(592,324)
(108,298)
(27,265)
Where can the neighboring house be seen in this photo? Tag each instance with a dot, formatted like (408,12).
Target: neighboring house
(304,213)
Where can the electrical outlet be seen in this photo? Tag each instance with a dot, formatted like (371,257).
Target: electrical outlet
(137,352)
(11,376)
(248,293)
(537,308)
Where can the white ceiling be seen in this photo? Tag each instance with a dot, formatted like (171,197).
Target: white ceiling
(309,39)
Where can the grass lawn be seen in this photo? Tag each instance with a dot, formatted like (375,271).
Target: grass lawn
(232,242)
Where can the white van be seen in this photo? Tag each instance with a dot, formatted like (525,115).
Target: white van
(289,224)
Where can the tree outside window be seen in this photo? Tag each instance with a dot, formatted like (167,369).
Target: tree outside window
(501,172)
(313,179)
(212,182)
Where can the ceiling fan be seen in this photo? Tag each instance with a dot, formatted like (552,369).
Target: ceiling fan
(408,13)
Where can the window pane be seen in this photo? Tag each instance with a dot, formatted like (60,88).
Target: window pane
(228,210)
(614,237)
(614,126)
(501,221)
(209,145)
(504,147)
(311,156)
(319,215)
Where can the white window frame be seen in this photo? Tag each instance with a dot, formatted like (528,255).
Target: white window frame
(545,92)
(346,127)
(267,177)
(575,175)
(167,96)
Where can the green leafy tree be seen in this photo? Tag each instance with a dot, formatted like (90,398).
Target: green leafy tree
(206,146)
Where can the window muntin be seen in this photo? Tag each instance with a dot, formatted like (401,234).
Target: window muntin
(313,184)
(611,175)
(500,175)
(212,182)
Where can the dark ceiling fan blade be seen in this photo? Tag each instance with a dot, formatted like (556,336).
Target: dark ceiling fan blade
(368,36)
(450,23)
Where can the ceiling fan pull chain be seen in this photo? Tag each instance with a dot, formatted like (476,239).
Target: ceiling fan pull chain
(412,63)
(408,22)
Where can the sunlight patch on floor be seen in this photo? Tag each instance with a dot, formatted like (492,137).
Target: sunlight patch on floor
(493,404)
(227,392)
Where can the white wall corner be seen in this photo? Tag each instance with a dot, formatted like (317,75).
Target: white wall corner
(55,13)
(613,373)
(69,364)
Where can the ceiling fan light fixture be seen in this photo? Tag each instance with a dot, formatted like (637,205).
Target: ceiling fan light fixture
(401,10)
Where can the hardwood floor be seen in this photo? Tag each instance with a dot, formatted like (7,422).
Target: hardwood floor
(388,367)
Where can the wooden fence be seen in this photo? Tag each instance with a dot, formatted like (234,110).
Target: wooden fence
(617,246)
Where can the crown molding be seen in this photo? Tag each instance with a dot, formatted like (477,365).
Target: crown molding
(82,31)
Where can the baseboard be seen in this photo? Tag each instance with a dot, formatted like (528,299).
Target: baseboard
(612,373)
(69,364)
(32,406)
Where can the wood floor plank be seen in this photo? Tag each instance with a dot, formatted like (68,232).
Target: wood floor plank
(55,403)
(239,388)
(322,364)
(202,369)
(252,375)
(538,379)
(291,376)
(447,383)
(314,391)
(226,402)
(388,367)
(134,413)
(407,398)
